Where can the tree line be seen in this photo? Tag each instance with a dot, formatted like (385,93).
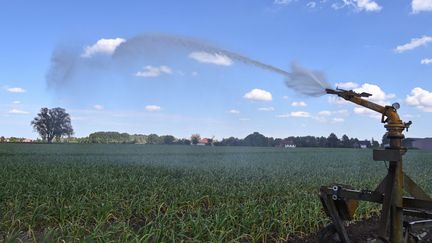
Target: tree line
(55,124)
(255,139)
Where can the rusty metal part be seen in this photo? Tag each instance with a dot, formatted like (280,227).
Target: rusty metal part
(340,201)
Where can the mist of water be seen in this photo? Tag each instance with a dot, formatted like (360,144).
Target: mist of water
(64,65)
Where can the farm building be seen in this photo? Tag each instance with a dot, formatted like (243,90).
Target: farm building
(205,142)
(364,144)
(422,143)
(289,144)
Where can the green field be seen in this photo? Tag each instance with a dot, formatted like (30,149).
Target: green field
(172,193)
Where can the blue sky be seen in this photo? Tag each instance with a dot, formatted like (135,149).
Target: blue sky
(377,46)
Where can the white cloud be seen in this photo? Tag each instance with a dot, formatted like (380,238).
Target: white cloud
(358,5)
(426,61)
(213,58)
(421,5)
(367,112)
(98,107)
(102,46)
(18,111)
(324,113)
(283,2)
(16,102)
(311,4)
(338,119)
(258,95)
(324,116)
(194,73)
(16,90)
(335,100)
(347,85)
(378,95)
(368,5)
(244,119)
(420,98)
(151,72)
(296,114)
(298,104)
(285,97)
(414,43)
(300,114)
(152,108)
(266,108)
(234,111)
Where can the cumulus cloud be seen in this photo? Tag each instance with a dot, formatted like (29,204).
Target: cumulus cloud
(18,111)
(151,72)
(212,58)
(420,98)
(258,95)
(338,119)
(311,4)
(16,102)
(368,5)
(324,113)
(102,46)
(298,104)
(421,5)
(331,116)
(296,114)
(414,43)
(282,2)
(367,112)
(358,5)
(152,108)
(335,100)
(98,107)
(266,108)
(426,61)
(234,111)
(347,85)
(16,90)
(378,95)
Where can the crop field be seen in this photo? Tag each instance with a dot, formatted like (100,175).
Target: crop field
(137,193)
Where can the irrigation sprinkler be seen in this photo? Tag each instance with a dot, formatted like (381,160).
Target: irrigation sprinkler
(400,214)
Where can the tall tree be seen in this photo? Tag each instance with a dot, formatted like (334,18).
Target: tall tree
(333,141)
(52,123)
(195,138)
(346,142)
(256,139)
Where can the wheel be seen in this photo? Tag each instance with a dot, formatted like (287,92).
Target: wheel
(328,234)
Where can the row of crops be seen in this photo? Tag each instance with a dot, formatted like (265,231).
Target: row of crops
(171,193)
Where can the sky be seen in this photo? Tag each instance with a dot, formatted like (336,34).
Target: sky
(381,47)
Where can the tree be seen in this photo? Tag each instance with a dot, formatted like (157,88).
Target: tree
(52,123)
(332,141)
(195,138)
(168,139)
(2,139)
(154,139)
(256,139)
(346,142)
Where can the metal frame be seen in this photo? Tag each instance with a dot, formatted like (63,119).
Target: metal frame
(389,192)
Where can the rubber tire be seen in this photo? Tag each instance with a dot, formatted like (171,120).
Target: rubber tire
(328,234)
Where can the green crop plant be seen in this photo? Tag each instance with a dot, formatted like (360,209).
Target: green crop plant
(135,193)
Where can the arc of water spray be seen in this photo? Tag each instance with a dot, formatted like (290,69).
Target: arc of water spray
(307,82)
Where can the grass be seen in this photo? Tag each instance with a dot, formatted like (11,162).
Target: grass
(129,193)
